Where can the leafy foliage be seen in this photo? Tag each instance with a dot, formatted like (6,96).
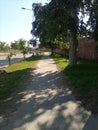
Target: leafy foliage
(21,45)
(15,45)
(61,18)
(4,46)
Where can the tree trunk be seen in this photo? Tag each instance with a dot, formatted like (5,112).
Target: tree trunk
(24,56)
(52,51)
(9,60)
(73,47)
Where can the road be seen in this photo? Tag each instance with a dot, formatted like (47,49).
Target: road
(18,57)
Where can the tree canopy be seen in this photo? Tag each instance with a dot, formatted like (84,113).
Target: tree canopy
(21,45)
(61,19)
(4,46)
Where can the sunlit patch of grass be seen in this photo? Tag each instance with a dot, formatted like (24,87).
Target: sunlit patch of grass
(61,61)
(10,80)
(83,76)
(84,81)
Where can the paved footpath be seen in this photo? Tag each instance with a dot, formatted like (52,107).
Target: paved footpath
(48,103)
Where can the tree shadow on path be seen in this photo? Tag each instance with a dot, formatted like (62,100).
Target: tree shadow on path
(48,104)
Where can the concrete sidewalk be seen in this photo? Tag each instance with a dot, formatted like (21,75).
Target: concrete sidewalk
(48,103)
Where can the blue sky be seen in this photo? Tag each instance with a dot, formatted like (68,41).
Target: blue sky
(15,23)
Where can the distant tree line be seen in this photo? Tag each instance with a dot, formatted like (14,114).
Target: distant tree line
(20,45)
(4,47)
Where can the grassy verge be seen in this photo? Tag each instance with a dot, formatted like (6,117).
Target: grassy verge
(11,78)
(84,79)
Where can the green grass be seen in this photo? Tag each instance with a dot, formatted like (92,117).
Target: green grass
(62,62)
(10,80)
(83,76)
(84,81)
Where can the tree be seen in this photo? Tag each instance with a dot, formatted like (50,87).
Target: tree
(62,18)
(9,57)
(93,12)
(33,42)
(23,47)
(70,26)
(15,45)
(90,29)
(45,26)
(4,46)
